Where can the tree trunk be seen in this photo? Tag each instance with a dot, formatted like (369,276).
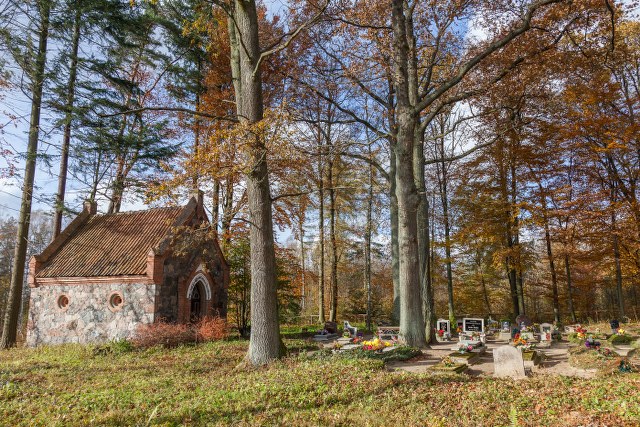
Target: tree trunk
(444,197)
(516,236)
(96,177)
(395,250)
(303,297)
(552,268)
(333,312)
(411,315)
(215,209)
(118,188)
(616,254)
(485,294)
(422,216)
(367,244)
(520,285)
(227,213)
(508,236)
(321,313)
(66,136)
(567,267)
(265,344)
(11,318)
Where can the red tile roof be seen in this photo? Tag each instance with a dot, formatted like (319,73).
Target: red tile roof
(111,245)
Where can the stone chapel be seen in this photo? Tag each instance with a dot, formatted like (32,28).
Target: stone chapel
(106,274)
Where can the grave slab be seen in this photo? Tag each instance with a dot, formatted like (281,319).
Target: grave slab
(508,362)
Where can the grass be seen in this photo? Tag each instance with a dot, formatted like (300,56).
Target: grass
(199,385)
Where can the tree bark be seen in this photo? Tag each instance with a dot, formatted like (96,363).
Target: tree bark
(215,209)
(68,108)
(333,312)
(14,300)
(303,297)
(321,312)
(411,315)
(616,254)
(395,249)
(367,244)
(444,198)
(552,268)
(264,344)
(567,267)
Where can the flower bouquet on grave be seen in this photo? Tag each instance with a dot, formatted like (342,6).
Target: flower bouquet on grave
(375,345)
(591,343)
(448,362)
(620,331)
(440,333)
(465,348)
(581,333)
(522,344)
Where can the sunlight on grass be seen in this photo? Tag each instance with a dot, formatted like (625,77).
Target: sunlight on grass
(200,385)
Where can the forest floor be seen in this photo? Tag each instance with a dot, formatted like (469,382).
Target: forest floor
(201,384)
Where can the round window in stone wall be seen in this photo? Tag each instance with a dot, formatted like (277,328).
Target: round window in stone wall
(63,302)
(116,301)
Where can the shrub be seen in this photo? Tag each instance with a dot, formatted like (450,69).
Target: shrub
(163,334)
(212,329)
(621,339)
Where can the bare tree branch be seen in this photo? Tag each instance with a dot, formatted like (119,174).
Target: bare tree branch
(291,37)
(173,109)
(478,58)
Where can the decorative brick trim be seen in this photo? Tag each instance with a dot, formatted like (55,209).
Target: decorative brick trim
(59,281)
(155,267)
(34,266)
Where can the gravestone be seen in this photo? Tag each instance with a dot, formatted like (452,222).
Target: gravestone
(331,327)
(352,330)
(471,325)
(505,331)
(444,325)
(545,331)
(523,320)
(473,334)
(615,325)
(508,362)
(570,329)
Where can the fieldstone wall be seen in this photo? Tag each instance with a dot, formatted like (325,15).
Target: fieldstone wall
(88,317)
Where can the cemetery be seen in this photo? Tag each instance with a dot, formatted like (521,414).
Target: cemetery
(319,213)
(325,374)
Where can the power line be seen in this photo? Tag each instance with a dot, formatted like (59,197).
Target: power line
(8,207)
(10,194)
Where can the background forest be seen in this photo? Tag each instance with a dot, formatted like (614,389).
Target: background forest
(525,153)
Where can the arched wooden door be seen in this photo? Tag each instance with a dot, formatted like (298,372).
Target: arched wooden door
(196,311)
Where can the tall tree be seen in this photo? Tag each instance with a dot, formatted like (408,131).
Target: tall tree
(37,74)
(246,60)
